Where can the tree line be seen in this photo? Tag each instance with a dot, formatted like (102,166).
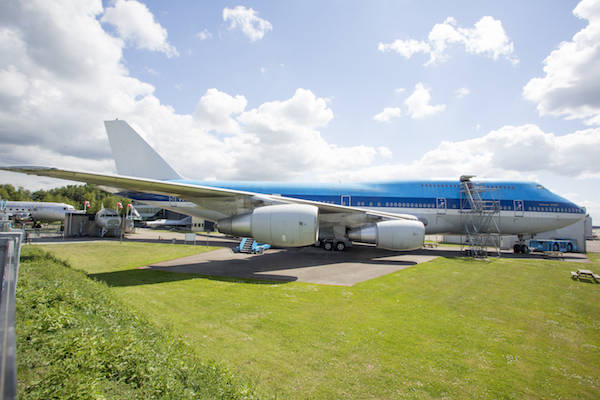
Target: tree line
(74,195)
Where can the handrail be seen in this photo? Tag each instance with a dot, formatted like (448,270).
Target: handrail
(10,249)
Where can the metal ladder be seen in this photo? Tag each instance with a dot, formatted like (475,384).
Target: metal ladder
(480,213)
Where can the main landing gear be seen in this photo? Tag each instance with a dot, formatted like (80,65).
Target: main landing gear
(521,247)
(331,245)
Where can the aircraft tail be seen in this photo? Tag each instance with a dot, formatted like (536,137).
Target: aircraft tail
(133,156)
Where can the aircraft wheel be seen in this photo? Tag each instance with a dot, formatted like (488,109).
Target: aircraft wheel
(525,249)
(569,247)
(328,246)
(517,248)
(340,246)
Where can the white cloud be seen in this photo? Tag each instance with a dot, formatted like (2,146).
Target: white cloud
(384,152)
(136,24)
(61,84)
(406,48)
(204,34)
(461,92)
(12,82)
(571,84)
(417,106)
(66,82)
(216,110)
(248,21)
(417,103)
(487,37)
(388,113)
(517,152)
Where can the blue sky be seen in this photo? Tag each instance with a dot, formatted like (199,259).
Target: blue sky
(311,90)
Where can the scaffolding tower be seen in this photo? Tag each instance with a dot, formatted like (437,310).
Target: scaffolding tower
(480,214)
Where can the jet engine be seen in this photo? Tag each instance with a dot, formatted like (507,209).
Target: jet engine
(285,225)
(392,235)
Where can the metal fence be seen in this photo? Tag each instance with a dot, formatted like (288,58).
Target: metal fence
(10,250)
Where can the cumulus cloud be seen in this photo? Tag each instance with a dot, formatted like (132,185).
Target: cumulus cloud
(461,92)
(248,21)
(384,152)
(216,109)
(406,48)
(417,103)
(388,113)
(204,34)
(135,23)
(487,37)
(570,86)
(417,106)
(57,86)
(510,152)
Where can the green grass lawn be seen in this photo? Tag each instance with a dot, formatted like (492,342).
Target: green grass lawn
(450,328)
(76,340)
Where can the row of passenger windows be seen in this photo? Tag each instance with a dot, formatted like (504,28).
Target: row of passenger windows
(553,209)
(431,205)
(393,204)
(456,185)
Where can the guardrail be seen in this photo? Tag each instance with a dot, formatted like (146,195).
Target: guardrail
(10,251)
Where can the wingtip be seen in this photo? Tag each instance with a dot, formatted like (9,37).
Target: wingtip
(22,167)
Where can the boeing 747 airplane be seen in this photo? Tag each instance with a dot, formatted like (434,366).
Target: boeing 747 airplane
(392,215)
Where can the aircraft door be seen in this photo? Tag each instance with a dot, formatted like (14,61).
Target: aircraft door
(519,208)
(441,205)
(346,200)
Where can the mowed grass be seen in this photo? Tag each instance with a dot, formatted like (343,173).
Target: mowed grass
(76,340)
(450,328)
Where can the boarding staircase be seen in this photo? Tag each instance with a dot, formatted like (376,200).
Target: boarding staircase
(251,246)
(480,213)
(246,245)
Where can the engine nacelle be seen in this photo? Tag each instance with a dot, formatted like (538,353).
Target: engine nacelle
(285,225)
(392,235)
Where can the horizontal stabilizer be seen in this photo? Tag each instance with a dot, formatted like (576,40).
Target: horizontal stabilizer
(133,156)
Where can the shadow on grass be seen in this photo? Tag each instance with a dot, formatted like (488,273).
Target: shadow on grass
(136,277)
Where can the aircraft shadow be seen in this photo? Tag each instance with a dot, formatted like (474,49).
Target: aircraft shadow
(266,266)
(137,277)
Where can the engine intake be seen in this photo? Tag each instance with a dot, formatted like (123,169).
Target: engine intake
(285,225)
(392,235)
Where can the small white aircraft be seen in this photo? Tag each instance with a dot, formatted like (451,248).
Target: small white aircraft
(37,211)
(107,220)
(163,223)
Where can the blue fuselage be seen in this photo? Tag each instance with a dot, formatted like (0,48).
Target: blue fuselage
(525,207)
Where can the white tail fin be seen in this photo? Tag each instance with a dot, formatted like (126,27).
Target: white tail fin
(133,156)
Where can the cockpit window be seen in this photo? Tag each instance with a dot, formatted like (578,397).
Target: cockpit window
(540,187)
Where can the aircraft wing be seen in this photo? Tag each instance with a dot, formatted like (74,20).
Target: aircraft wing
(227,202)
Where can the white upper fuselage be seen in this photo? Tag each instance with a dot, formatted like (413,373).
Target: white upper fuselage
(38,211)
